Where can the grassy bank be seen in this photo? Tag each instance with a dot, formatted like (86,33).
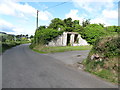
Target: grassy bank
(4,46)
(103,59)
(7,45)
(46,49)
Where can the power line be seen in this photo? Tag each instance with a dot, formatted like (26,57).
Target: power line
(55,5)
(49,8)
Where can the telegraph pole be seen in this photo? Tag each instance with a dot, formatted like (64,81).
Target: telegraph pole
(37,20)
(37,25)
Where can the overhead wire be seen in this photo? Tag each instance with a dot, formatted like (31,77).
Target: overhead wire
(55,6)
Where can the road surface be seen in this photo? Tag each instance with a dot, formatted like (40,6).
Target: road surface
(70,57)
(24,68)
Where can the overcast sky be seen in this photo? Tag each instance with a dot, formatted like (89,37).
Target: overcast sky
(20,17)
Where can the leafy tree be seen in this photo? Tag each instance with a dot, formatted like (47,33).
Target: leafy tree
(86,22)
(6,37)
(56,23)
(76,22)
(3,38)
(92,32)
(41,27)
(70,25)
(117,28)
(10,37)
(102,25)
(68,22)
(67,25)
(26,36)
(31,36)
(17,36)
(68,29)
(112,28)
(76,26)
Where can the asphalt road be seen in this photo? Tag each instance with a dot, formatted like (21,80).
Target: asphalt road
(24,68)
(70,57)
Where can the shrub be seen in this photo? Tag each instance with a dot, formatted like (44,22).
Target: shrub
(107,51)
(45,35)
(92,32)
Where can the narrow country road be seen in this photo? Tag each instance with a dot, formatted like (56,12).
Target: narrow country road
(24,68)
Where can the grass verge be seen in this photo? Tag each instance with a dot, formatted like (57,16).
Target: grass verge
(103,59)
(7,45)
(46,49)
(105,74)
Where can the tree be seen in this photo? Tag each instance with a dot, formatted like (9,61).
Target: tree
(10,37)
(68,25)
(31,36)
(68,22)
(26,35)
(3,38)
(86,22)
(56,23)
(102,25)
(92,32)
(76,26)
(76,22)
(68,29)
(41,27)
(112,28)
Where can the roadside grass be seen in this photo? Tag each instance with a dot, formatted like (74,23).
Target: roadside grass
(106,65)
(46,49)
(103,74)
(7,45)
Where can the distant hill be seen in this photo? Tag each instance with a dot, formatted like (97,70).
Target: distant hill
(3,33)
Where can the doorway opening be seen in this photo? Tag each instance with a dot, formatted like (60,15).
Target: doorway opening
(68,39)
(76,38)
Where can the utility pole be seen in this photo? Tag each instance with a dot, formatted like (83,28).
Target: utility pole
(37,25)
(37,20)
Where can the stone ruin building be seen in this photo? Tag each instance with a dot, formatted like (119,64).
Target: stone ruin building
(68,39)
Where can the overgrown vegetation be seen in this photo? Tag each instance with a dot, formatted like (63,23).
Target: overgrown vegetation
(103,58)
(4,46)
(43,36)
(90,32)
(93,31)
(8,40)
(57,26)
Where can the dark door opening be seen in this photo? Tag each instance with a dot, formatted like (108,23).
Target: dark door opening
(76,38)
(68,39)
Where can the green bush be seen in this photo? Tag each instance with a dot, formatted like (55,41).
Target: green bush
(7,45)
(45,35)
(112,28)
(92,32)
(108,46)
(106,65)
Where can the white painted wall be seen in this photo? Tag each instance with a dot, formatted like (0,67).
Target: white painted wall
(62,40)
(81,41)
